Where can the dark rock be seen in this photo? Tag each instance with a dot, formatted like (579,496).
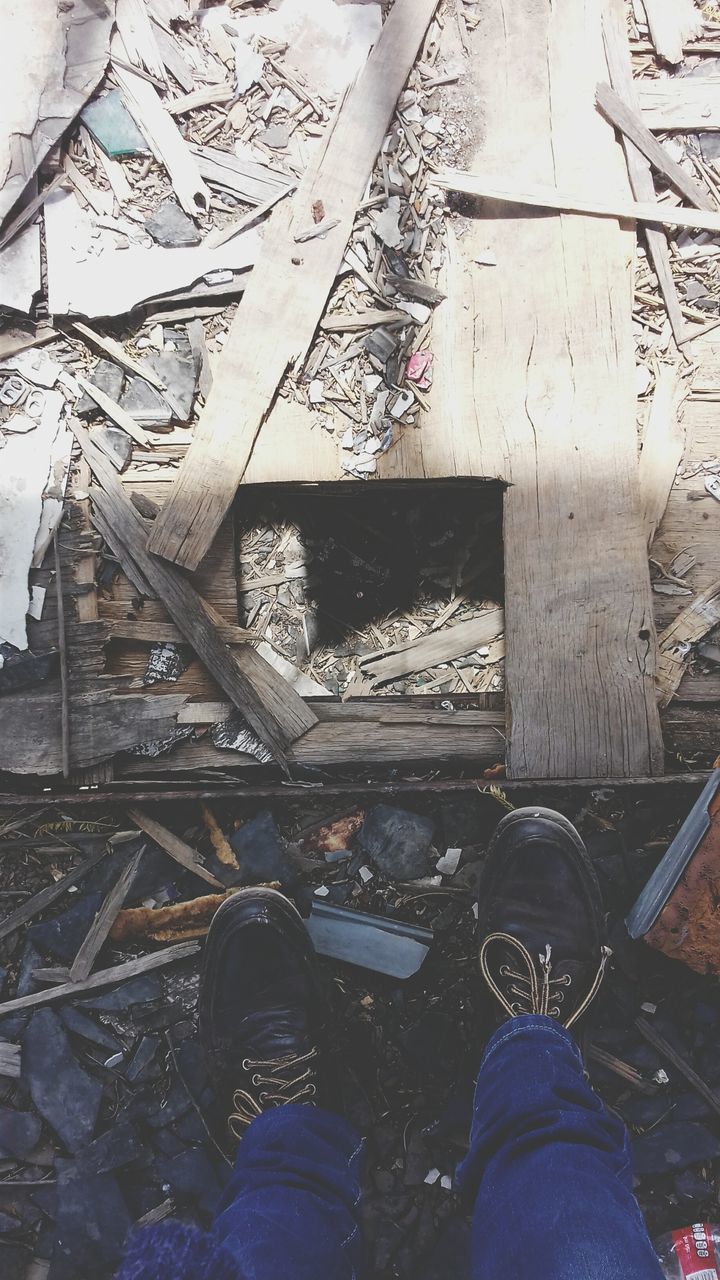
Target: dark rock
(171,227)
(8,1222)
(642,1112)
(15,1261)
(191,1129)
(19,1132)
(143,990)
(450,1255)
(115,1149)
(108,378)
(690,1185)
(114,442)
(26,669)
(143,1061)
(177,370)
(92,1221)
(175,1103)
(397,841)
(65,1095)
(434,1043)
(260,851)
(673,1147)
(79,1024)
(60,937)
(192,1178)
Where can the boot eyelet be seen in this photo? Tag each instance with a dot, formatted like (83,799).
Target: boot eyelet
(516,1008)
(255,1081)
(311,1090)
(560,997)
(262,1097)
(566,980)
(246,1064)
(554,1012)
(504,971)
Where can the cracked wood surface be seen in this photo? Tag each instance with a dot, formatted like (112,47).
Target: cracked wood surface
(553,384)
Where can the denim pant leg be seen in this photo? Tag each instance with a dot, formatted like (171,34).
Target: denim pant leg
(291,1208)
(549,1167)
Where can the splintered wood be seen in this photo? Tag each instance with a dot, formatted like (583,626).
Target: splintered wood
(286,293)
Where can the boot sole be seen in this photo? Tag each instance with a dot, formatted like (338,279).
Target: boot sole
(563,824)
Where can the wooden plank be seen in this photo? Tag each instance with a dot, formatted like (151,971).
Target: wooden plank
(623,117)
(671,23)
(552,383)
(163,136)
(617,53)
(102,725)
(10,1060)
(103,978)
(680,103)
(436,646)
(274,710)
(177,849)
(115,412)
(663,445)
(286,294)
(543,196)
(104,919)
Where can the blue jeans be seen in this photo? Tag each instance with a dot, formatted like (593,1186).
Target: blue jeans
(548,1170)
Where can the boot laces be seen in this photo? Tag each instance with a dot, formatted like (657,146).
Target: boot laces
(275,1082)
(534,987)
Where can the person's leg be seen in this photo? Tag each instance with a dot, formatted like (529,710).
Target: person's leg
(291,1207)
(548,1167)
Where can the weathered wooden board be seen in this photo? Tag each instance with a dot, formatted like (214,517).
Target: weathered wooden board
(553,382)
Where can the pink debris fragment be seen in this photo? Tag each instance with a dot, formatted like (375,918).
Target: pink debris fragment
(420,369)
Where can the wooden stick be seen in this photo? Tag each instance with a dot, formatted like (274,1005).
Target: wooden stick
(114,411)
(27,214)
(104,920)
(630,123)
(116,351)
(103,978)
(46,897)
(475,184)
(64,673)
(272,707)
(214,239)
(676,1059)
(173,845)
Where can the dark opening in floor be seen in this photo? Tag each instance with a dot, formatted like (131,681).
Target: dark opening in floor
(329,577)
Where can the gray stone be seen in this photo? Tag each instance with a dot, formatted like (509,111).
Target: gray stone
(673,1147)
(397,841)
(113,441)
(65,1095)
(61,936)
(92,1221)
(171,227)
(276,136)
(19,1132)
(108,377)
(260,851)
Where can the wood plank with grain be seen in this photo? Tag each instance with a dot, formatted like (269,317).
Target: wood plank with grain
(286,293)
(552,384)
